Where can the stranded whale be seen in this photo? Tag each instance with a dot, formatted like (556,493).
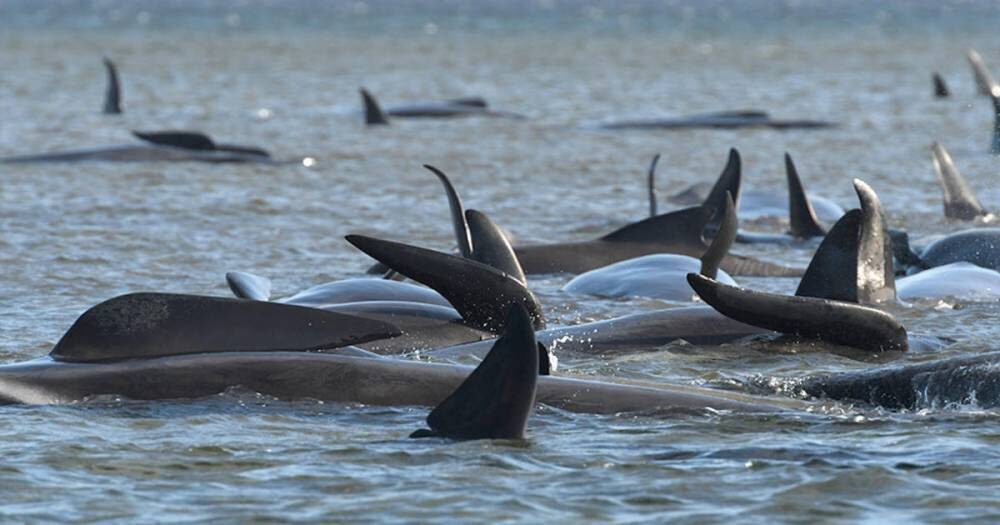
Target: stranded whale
(375,114)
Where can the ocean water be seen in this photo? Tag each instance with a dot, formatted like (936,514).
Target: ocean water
(284,75)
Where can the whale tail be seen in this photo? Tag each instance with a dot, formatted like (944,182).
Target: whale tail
(249,286)
(960,201)
(491,247)
(373,112)
(728,182)
(940,88)
(722,241)
(801,216)
(113,93)
(496,399)
(984,80)
(651,185)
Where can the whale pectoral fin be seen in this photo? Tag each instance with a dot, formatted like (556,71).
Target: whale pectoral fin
(723,240)
(960,201)
(681,226)
(458,221)
(651,184)
(374,115)
(801,216)
(192,140)
(480,293)
(491,247)
(940,88)
(496,399)
(145,325)
(728,182)
(835,322)
(249,286)
(984,80)
(113,93)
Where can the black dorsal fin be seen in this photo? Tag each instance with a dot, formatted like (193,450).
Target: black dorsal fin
(940,88)
(113,93)
(145,325)
(876,273)
(480,293)
(984,80)
(249,286)
(801,216)
(192,140)
(491,247)
(960,201)
(723,240)
(729,181)
(496,399)
(685,225)
(373,112)
(458,221)
(651,184)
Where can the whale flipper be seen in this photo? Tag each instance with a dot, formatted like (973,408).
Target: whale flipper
(801,216)
(960,201)
(192,140)
(728,182)
(491,247)
(723,240)
(113,93)
(984,80)
(373,111)
(940,88)
(685,225)
(458,220)
(480,293)
(651,184)
(155,324)
(496,399)
(249,286)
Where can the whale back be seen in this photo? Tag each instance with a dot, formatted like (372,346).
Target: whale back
(960,201)
(249,286)
(678,227)
(192,140)
(113,93)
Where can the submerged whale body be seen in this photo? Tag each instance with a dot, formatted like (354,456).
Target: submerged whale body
(718,120)
(376,114)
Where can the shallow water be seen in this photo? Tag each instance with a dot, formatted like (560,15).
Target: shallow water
(285,76)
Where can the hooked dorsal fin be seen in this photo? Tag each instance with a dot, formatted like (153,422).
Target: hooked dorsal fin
(728,181)
(651,184)
(491,247)
(687,224)
(113,93)
(723,240)
(984,80)
(801,216)
(940,88)
(373,112)
(960,201)
(496,399)
(249,286)
(480,293)
(876,273)
(192,140)
(458,221)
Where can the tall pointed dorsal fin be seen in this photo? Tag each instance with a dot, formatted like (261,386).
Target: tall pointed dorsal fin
(984,80)
(960,201)
(192,140)
(496,399)
(801,216)
(373,111)
(723,240)
(685,225)
(249,286)
(651,184)
(113,92)
(940,88)
(876,273)
(491,247)
(458,220)
(729,181)
(480,293)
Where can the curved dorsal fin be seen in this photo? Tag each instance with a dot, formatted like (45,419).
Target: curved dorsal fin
(113,93)
(940,88)
(192,140)
(491,247)
(960,201)
(496,399)
(729,181)
(984,80)
(651,184)
(723,240)
(876,273)
(458,221)
(249,286)
(373,112)
(801,216)
(480,293)
(686,225)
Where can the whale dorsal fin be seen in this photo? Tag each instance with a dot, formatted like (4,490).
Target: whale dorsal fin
(651,184)
(113,93)
(723,240)
(995,95)
(686,225)
(480,293)
(474,102)
(491,247)
(145,325)
(496,399)
(960,201)
(728,182)
(940,88)
(249,286)
(801,216)
(876,272)
(458,220)
(984,80)
(373,111)
(192,140)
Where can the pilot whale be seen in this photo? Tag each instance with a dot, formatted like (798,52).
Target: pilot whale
(717,120)
(375,114)
(113,92)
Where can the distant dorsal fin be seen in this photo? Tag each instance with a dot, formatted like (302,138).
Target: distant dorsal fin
(458,221)
(192,140)
(249,286)
(940,88)
(984,80)
(491,247)
(651,184)
(801,216)
(480,293)
(496,399)
(113,93)
(687,224)
(373,111)
(723,240)
(960,201)
(729,181)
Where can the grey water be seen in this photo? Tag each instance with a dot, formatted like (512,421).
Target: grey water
(284,75)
